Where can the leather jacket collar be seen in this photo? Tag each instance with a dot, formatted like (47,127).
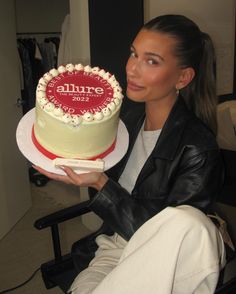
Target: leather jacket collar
(165,148)
(173,127)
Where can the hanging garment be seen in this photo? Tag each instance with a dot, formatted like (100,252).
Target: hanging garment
(64,52)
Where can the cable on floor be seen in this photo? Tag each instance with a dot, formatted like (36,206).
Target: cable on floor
(22,284)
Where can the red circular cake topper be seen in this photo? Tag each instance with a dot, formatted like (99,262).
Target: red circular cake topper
(78,92)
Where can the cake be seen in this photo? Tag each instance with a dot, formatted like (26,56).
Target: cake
(77,112)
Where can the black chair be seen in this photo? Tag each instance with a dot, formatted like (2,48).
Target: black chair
(62,270)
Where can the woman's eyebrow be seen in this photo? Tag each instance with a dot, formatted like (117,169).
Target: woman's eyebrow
(150,54)
(154,55)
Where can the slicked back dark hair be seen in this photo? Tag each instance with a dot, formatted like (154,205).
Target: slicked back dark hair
(194,49)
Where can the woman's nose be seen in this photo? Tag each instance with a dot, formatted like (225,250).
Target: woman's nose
(132,67)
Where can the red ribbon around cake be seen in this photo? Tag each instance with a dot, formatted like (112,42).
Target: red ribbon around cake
(52,156)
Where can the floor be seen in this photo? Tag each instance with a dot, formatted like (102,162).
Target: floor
(24,248)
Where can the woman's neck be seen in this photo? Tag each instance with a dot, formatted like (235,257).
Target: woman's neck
(157,113)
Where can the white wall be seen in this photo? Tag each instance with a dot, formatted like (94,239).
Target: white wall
(215,17)
(40,16)
(15,198)
(80,41)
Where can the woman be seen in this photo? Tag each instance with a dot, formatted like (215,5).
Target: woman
(173,158)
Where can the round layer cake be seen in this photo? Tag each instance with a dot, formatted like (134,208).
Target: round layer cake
(77,112)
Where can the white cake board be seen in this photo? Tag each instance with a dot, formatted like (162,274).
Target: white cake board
(28,149)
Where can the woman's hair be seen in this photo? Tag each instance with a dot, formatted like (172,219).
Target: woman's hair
(193,49)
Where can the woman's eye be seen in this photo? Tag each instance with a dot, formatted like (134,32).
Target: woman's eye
(132,54)
(152,61)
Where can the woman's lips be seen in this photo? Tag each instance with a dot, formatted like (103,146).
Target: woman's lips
(134,87)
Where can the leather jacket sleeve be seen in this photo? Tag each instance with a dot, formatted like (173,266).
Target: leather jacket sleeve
(194,178)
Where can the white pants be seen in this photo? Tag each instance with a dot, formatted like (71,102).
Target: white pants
(177,251)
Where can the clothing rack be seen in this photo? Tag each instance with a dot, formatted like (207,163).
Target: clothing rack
(37,35)
(38,53)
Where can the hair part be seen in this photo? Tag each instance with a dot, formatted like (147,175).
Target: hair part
(193,49)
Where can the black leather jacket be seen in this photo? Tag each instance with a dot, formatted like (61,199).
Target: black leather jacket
(184,168)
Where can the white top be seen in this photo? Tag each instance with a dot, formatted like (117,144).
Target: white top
(143,147)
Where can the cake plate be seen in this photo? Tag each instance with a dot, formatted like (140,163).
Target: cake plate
(28,149)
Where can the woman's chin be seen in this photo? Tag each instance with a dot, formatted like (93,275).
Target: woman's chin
(134,96)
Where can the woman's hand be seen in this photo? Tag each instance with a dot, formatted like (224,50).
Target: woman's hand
(93,179)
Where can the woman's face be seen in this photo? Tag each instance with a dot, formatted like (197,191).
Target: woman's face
(152,69)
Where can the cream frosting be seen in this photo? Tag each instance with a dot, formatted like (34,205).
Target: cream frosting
(79,66)
(70,67)
(54,72)
(61,69)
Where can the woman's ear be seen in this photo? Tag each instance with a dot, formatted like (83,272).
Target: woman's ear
(185,78)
